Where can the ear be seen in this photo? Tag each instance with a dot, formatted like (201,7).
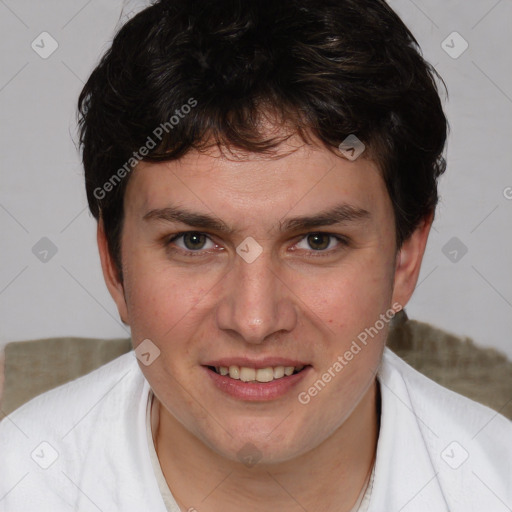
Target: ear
(408,261)
(110,274)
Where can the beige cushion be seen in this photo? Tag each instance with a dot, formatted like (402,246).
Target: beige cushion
(33,367)
(485,375)
(482,374)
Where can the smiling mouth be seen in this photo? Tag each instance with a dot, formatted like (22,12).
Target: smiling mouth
(261,375)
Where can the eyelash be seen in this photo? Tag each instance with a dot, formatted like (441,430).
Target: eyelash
(344,241)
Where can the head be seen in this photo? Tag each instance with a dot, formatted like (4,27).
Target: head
(225,119)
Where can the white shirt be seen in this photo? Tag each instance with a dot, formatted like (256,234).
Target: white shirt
(84,447)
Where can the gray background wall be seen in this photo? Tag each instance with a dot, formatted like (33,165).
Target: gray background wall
(466,281)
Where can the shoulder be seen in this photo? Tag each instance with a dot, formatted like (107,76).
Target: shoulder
(55,412)
(439,403)
(469,444)
(73,442)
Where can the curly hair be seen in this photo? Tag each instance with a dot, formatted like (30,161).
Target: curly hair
(181,74)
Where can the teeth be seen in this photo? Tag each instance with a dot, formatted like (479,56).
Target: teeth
(264,374)
(278,372)
(246,374)
(234,372)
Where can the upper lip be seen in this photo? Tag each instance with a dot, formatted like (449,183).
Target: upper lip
(255,363)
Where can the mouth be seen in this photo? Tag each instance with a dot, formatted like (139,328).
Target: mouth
(262,375)
(256,384)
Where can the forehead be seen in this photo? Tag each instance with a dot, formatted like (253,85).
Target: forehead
(239,186)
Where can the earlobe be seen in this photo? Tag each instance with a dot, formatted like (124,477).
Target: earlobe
(110,274)
(408,261)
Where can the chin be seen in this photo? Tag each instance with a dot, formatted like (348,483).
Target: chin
(264,442)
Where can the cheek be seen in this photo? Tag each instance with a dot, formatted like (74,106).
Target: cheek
(351,297)
(162,299)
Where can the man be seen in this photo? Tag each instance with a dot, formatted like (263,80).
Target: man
(264,176)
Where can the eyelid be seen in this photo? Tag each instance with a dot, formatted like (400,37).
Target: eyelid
(169,240)
(343,240)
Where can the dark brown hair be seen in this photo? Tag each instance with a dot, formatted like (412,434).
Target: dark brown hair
(182,73)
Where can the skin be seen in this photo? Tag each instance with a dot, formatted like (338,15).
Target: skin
(286,303)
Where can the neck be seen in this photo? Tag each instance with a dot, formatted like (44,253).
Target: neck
(330,477)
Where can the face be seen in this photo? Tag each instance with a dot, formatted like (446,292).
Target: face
(260,262)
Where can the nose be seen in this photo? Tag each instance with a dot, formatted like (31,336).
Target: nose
(257,302)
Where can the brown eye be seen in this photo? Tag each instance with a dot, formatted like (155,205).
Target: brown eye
(190,242)
(323,244)
(193,240)
(319,241)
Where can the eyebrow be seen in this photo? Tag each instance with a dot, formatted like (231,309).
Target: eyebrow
(341,213)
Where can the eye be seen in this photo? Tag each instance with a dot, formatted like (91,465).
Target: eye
(193,241)
(320,242)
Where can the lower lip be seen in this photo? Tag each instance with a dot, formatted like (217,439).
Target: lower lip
(257,391)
